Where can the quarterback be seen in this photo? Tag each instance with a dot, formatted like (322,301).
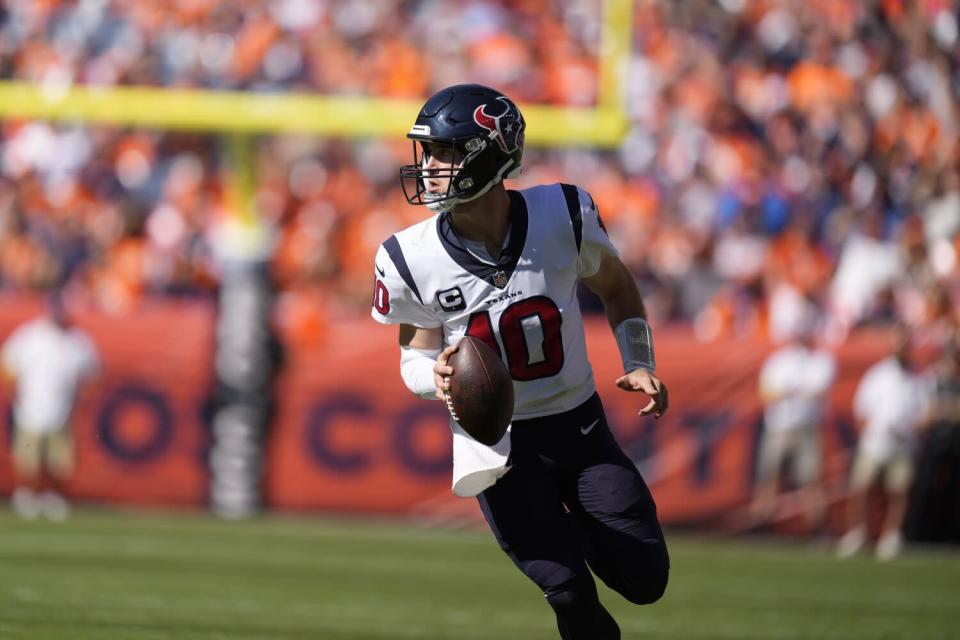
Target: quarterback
(503,266)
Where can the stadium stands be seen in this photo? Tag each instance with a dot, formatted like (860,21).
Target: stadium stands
(776,150)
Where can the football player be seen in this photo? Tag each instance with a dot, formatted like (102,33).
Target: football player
(503,266)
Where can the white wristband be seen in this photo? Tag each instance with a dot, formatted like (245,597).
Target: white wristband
(416,369)
(635,340)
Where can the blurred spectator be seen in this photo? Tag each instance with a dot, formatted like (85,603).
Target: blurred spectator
(48,359)
(867,266)
(795,381)
(892,403)
(772,155)
(933,514)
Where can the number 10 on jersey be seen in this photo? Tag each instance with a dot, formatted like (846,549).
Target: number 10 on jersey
(530,330)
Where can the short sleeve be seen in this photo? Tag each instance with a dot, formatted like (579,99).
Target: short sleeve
(395,301)
(595,242)
(828,372)
(862,398)
(12,352)
(769,383)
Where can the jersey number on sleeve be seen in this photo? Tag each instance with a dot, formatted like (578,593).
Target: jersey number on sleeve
(531,335)
(381,298)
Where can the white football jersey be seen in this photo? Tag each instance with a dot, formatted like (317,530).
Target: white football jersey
(49,364)
(524,305)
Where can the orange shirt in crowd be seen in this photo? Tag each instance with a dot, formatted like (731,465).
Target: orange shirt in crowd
(793,258)
(119,283)
(396,70)
(23,263)
(252,44)
(811,83)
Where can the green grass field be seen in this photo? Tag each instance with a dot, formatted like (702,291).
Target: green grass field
(110,575)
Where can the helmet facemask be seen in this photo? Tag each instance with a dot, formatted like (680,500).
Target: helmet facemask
(461,185)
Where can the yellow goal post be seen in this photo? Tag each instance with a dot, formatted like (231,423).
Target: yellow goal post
(242,115)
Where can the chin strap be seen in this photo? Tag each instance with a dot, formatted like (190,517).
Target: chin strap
(443,206)
(447,204)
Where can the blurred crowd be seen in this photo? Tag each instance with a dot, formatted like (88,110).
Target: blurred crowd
(781,153)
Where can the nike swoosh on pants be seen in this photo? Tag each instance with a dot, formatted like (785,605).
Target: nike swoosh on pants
(588,429)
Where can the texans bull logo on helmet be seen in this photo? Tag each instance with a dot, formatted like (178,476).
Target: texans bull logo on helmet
(506,127)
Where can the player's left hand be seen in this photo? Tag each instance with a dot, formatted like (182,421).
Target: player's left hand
(648,383)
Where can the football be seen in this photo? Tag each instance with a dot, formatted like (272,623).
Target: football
(481,391)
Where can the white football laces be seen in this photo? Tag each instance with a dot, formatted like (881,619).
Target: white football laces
(449,401)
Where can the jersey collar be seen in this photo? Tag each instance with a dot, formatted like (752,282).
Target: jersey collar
(496,274)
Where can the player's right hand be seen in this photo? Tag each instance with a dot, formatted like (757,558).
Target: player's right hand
(442,372)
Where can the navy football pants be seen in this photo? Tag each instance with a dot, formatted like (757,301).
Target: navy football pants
(573,500)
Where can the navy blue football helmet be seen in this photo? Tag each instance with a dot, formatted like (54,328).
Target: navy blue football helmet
(479,129)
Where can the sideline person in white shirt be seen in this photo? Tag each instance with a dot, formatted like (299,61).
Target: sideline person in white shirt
(892,403)
(48,359)
(794,383)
